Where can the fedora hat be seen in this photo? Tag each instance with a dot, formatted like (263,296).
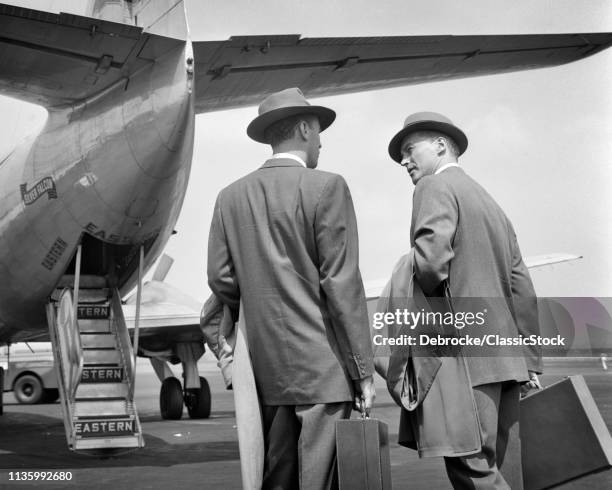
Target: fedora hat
(283,104)
(426,121)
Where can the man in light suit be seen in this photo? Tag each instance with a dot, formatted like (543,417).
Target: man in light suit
(465,247)
(283,241)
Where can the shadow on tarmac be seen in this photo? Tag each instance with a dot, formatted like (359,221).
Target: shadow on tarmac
(31,441)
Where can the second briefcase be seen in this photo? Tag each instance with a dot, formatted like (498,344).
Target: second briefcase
(563,435)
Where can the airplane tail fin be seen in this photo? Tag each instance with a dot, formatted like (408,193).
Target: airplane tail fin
(162,17)
(112,10)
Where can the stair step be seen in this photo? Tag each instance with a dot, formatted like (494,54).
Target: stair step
(94,295)
(95,374)
(98,340)
(94,326)
(101,356)
(110,442)
(93,311)
(102,390)
(86,295)
(105,426)
(100,408)
(86,281)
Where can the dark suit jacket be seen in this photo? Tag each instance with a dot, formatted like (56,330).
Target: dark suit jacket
(284,241)
(462,236)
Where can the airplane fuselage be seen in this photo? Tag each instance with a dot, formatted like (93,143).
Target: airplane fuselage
(113,168)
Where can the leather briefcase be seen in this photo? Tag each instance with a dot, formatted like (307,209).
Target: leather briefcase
(363,454)
(563,435)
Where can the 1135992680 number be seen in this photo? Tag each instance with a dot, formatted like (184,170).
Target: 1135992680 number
(40,476)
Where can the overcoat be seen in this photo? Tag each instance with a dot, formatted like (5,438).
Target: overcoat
(438,414)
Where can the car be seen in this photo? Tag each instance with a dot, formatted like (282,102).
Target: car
(30,372)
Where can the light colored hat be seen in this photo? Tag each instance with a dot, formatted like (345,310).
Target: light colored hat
(426,121)
(283,104)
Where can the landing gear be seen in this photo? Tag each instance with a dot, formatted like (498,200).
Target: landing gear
(198,400)
(193,391)
(171,399)
(28,389)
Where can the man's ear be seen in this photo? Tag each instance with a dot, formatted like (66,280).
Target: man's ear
(441,146)
(303,129)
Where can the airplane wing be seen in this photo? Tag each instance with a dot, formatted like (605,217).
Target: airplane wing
(373,289)
(58,59)
(242,70)
(542,260)
(167,316)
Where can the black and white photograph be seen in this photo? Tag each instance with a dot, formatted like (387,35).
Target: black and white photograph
(290,245)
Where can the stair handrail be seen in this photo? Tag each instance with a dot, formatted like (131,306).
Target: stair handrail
(76,353)
(137,317)
(125,343)
(129,359)
(70,342)
(68,354)
(59,371)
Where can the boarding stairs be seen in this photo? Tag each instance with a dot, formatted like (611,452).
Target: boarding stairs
(95,365)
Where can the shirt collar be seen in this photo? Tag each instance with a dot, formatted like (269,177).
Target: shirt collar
(288,155)
(444,167)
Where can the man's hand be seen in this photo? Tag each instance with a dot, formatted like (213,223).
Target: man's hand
(532,384)
(364,394)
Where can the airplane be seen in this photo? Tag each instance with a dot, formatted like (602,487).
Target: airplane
(88,204)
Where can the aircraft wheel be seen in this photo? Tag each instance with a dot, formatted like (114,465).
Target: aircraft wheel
(50,395)
(198,401)
(171,399)
(28,389)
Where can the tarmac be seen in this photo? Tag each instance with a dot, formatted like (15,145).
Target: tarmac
(204,454)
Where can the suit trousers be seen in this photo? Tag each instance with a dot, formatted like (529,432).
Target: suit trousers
(498,465)
(300,445)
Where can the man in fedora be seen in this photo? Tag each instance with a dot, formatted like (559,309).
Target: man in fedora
(283,241)
(465,249)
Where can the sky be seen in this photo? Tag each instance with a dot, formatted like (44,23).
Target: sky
(539,141)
